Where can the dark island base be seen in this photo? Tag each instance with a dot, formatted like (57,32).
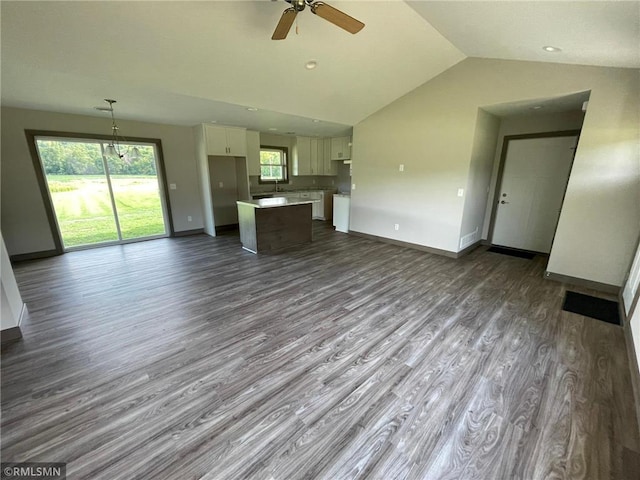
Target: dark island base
(269,229)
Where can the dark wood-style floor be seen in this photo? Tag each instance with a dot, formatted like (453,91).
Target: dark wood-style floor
(191,358)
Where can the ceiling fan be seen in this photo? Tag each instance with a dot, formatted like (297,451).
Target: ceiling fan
(321,9)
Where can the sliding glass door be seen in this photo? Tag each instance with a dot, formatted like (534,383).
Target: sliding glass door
(102,201)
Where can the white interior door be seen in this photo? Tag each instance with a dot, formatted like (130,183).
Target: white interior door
(633,282)
(534,179)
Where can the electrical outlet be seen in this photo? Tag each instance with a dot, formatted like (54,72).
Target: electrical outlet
(353,187)
(396,226)
(189,218)
(401,167)
(172,186)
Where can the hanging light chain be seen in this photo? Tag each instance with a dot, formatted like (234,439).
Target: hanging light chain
(114,129)
(115,143)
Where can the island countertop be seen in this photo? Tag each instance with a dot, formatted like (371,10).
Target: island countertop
(273,202)
(272,224)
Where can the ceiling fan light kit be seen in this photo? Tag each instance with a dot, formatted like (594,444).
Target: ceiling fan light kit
(321,9)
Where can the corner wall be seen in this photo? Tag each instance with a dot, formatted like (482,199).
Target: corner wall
(480,168)
(24,221)
(431,130)
(11,304)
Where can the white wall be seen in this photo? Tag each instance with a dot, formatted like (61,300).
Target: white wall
(521,124)
(431,130)
(24,222)
(11,301)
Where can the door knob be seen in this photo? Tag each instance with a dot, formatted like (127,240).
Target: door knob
(503,201)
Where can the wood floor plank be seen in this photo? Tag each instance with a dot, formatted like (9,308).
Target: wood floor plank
(347,358)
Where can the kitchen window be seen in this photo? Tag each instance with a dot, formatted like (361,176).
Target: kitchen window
(274,167)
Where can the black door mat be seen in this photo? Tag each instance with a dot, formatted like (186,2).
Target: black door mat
(594,307)
(511,252)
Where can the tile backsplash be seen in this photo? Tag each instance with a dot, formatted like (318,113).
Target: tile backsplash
(341,183)
(295,183)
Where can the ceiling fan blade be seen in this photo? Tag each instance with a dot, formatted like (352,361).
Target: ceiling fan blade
(337,17)
(284,25)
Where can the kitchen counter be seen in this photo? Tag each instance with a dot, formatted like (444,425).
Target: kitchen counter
(322,199)
(301,190)
(275,223)
(273,202)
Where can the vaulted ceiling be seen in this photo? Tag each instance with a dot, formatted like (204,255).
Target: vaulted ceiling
(184,62)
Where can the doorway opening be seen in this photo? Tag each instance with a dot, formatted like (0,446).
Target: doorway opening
(97,201)
(532,180)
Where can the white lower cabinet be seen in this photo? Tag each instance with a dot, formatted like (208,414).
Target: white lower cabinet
(318,204)
(341,205)
(322,207)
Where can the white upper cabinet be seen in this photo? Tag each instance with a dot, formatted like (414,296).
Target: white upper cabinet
(302,156)
(329,167)
(237,141)
(253,152)
(317,148)
(216,138)
(226,141)
(312,156)
(340,148)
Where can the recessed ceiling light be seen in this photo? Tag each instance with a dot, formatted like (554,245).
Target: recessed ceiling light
(252,109)
(315,120)
(273,129)
(537,107)
(311,64)
(549,48)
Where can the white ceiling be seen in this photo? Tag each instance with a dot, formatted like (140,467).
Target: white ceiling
(604,33)
(184,62)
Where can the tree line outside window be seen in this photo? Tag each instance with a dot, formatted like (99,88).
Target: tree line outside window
(85,158)
(273,164)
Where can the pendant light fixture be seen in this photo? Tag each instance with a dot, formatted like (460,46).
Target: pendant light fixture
(113,149)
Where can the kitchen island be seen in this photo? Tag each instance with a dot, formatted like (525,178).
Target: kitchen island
(271,224)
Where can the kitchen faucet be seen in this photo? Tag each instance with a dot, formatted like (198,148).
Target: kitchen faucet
(276,186)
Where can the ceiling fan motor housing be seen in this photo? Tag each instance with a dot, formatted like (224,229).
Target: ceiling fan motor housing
(299,4)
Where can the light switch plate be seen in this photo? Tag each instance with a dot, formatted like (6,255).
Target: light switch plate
(402,167)
(172,186)
(460,192)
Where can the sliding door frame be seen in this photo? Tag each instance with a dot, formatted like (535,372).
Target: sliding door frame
(44,189)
